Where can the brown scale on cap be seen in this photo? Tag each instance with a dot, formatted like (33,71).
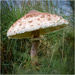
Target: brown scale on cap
(28,16)
(30,21)
(23,27)
(31,25)
(13,25)
(54,15)
(24,17)
(35,15)
(49,19)
(48,15)
(38,19)
(19,20)
(42,16)
(20,24)
(38,24)
(14,31)
(53,22)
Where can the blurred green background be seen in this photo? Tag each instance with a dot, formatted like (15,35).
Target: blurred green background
(56,51)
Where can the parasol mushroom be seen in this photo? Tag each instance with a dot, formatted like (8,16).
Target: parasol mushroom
(33,24)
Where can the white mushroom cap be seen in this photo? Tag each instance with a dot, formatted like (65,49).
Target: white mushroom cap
(35,20)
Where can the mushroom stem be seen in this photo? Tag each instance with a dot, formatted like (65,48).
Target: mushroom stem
(34,48)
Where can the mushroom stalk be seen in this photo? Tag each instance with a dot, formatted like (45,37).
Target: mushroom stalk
(34,48)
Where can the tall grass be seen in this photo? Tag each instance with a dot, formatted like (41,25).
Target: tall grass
(56,51)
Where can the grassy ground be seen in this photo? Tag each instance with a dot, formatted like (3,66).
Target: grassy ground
(56,50)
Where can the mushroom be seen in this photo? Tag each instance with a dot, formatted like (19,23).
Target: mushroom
(33,24)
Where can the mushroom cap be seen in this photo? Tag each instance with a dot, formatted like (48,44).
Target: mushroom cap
(35,20)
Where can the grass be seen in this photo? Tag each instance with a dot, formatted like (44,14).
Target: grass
(56,51)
